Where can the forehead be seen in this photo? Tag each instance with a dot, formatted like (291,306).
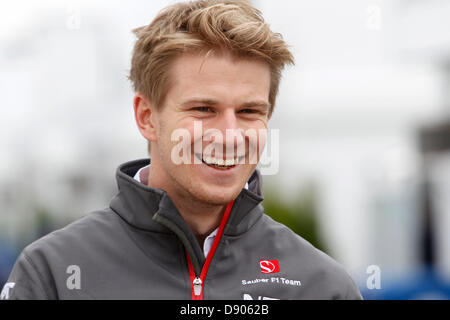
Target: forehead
(219,75)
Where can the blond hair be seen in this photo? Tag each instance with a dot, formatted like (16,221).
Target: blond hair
(204,25)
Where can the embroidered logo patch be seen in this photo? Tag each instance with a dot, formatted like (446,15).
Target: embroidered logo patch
(269,266)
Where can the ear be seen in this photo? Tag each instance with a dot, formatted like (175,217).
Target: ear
(145,116)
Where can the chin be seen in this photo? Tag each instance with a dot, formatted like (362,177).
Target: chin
(216,197)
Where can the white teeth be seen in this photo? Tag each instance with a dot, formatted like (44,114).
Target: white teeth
(220,162)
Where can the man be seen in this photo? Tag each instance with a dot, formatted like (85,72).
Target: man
(190,224)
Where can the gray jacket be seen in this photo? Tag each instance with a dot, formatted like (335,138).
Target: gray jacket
(141,248)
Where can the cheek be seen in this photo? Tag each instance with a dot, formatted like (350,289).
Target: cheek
(256,139)
(165,143)
(176,143)
(169,130)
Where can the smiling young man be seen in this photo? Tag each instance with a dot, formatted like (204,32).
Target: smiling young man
(189,225)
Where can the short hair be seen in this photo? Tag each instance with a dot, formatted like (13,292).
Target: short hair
(204,25)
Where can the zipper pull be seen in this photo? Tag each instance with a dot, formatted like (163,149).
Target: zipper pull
(197,283)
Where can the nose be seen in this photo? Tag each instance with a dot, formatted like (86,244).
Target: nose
(233,137)
(227,120)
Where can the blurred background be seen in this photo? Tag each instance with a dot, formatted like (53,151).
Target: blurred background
(364,119)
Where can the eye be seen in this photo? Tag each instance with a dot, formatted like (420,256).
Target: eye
(202,109)
(247,111)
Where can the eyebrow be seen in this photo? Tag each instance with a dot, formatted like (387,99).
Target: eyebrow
(257,103)
(200,101)
(207,101)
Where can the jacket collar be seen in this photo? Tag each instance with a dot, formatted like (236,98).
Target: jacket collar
(139,204)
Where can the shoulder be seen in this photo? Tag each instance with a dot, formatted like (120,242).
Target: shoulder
(76,240)
(319,270)
(43,266)
(81,230)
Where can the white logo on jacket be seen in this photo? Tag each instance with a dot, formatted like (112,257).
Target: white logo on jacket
(247,296)
(5,292)
(74,280)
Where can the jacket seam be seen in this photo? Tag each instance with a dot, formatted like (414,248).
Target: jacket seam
(136,227)
(185,268)
(247,230)
(150,257)
(184,239)
(39,278)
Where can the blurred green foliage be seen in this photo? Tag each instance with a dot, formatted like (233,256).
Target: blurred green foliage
(299,215)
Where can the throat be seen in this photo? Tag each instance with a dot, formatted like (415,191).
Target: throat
(202,222)
(201,239)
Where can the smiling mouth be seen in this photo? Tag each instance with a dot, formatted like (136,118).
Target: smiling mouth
(219,163)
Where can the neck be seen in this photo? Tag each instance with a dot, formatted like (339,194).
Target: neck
(202,218)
